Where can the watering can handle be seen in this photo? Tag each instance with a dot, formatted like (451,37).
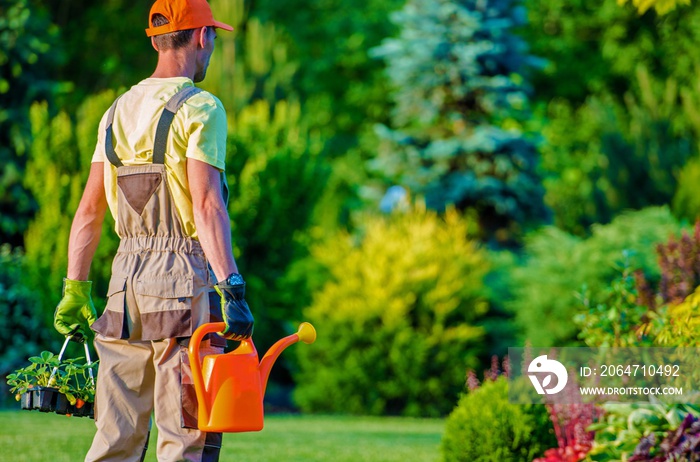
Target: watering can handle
(203,330)
(195,361)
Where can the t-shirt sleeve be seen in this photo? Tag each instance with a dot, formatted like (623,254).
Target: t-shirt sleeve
(99,154)
(206,129)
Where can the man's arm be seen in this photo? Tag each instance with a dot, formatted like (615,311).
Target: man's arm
(76,312)
(87,225)
(214,230)
(211,217)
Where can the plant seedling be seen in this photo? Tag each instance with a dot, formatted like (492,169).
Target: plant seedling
(51,384)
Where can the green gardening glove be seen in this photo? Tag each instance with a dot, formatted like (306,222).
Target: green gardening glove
(75,312)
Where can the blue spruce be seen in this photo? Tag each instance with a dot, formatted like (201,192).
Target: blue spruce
(457,68)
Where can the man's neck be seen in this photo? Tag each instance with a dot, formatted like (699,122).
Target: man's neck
(174,63)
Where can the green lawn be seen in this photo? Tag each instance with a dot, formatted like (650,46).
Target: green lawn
(36,437)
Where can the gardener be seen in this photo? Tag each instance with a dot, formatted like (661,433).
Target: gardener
(159,166)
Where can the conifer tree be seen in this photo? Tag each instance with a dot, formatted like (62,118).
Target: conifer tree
(459,95)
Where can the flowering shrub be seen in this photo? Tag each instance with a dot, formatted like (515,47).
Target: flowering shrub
(571,427)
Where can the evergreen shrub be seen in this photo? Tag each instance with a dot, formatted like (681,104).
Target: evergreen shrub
(398,318)
(557,266)
(485,427)
(637,311)
(679,325)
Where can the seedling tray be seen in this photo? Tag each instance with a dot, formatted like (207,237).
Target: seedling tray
(46,399)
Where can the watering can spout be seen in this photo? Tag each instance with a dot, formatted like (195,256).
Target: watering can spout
(306,334)
(230,387)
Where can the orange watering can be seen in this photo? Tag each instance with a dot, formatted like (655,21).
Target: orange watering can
(230,387)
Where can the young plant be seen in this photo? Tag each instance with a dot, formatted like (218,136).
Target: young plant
(37,374)
(486,426)
(77,383)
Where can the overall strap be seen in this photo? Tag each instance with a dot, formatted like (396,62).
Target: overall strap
(166,119)
(109,140)
(162,130)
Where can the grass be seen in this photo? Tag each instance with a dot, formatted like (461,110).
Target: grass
(37,437)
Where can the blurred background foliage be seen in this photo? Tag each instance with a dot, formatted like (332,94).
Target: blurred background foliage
(404,307)
(556,267)
(428,181)
(28,58)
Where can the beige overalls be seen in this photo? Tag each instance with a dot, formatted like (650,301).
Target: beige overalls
(159,293)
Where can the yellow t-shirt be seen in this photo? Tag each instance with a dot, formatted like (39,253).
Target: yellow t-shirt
(198,131)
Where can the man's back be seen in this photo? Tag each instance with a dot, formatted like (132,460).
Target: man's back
(198,131)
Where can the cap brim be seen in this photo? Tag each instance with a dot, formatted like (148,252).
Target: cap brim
(222,25)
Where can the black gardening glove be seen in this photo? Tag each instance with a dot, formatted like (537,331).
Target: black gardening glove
(234,308)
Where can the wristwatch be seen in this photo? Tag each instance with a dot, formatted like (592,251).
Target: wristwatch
(234,279)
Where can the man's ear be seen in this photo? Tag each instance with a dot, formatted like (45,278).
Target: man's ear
(202,36)
(153,44)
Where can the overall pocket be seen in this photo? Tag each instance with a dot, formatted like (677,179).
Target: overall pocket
(111,323)
(116,293)
(165,305)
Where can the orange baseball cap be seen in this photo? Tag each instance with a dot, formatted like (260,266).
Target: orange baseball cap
(183,15)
